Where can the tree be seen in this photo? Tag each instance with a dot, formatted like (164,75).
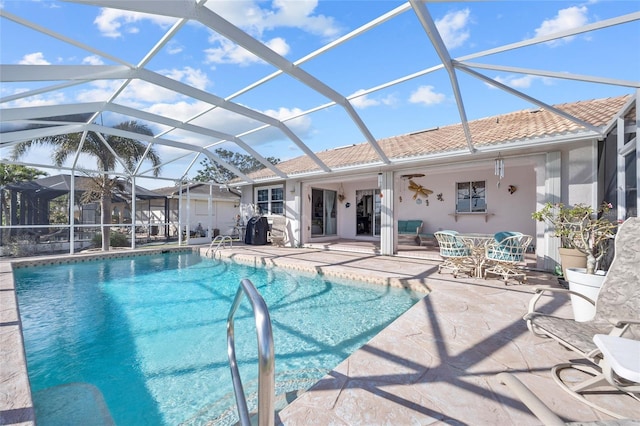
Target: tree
(213,172)
(130,152)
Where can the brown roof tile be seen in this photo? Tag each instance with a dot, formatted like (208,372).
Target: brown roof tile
(501,129)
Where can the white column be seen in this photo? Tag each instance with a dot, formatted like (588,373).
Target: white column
(133,212)
(637,126)
(72,217)
(180,215)
(552,190)
(387,223)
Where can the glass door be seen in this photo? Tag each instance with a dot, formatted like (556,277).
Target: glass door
(324,219)
(368,207)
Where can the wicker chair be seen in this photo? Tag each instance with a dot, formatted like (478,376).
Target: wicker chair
(456,254)
(505,254)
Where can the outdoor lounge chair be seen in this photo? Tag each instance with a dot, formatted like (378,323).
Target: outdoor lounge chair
(617,312)
(456,254)
(544,413)
(278,231)
(504,255)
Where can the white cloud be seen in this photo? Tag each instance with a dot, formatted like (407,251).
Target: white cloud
(566,19)
(191,76)
(229,122)
(453,28)
(228,52)
(365,101)
(426,96)
(174,47)
(36,58)
(141,93)
(254,19)
(362,102)
(93,60)
(523,81)
(299,14)
(38,100)
(112,23)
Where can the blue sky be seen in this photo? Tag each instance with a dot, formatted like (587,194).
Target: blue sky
(199,57)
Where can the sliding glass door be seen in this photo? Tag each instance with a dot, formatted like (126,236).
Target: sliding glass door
(368,205)
(323,212)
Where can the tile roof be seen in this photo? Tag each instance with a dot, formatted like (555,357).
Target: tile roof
(519,126)
(199,189)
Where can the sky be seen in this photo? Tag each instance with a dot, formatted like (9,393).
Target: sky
(197,56)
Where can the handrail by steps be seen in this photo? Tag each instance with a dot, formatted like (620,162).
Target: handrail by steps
(266,358)
(221,240)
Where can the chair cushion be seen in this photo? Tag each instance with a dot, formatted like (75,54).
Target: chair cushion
(408,226)
(504,249)
(499,236)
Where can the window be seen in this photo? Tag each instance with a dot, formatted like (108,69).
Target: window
(270,200)
(471,197)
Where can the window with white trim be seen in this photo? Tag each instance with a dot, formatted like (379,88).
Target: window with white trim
(270,200)
(471,197)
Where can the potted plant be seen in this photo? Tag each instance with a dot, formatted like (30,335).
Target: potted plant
(589,232)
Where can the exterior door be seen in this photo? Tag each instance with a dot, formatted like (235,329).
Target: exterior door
(324,214)
(368,208)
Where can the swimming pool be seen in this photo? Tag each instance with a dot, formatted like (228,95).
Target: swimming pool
(150,331)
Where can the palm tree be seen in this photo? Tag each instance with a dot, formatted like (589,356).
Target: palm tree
(129,151)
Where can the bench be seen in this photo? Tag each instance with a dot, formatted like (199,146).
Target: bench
(409,231)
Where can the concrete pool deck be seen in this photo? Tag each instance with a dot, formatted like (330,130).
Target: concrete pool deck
(436,364)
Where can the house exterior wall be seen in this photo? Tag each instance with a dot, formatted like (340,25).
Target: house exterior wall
(530,173)
(223,215)
(505,211)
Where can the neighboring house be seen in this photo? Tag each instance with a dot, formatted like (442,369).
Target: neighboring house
(205,210)
(519,161)
(40,209)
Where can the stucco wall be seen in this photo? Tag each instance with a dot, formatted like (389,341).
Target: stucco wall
(506,211)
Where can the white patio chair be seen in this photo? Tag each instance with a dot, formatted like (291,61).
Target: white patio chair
(278,232)
(456,254)
(505,254)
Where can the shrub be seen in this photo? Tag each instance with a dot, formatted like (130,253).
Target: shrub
(116,239)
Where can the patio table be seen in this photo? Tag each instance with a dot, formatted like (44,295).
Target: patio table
(477,243)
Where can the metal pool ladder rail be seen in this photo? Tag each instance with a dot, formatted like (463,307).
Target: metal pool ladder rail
(219,241)
(266,358)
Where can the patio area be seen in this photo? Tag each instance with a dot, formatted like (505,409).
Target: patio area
(436,364)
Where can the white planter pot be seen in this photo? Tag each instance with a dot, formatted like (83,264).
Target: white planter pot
(588,285)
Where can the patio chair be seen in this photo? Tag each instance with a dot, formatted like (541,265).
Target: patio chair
(278,231)
(617,313)
(504,255)
(456,254)
(543,412)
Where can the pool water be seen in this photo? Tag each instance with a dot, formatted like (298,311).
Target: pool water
(150,331)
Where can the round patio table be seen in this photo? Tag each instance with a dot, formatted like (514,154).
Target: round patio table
(477,243)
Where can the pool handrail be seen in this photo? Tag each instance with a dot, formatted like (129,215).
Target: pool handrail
(221,240)
(266,357)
